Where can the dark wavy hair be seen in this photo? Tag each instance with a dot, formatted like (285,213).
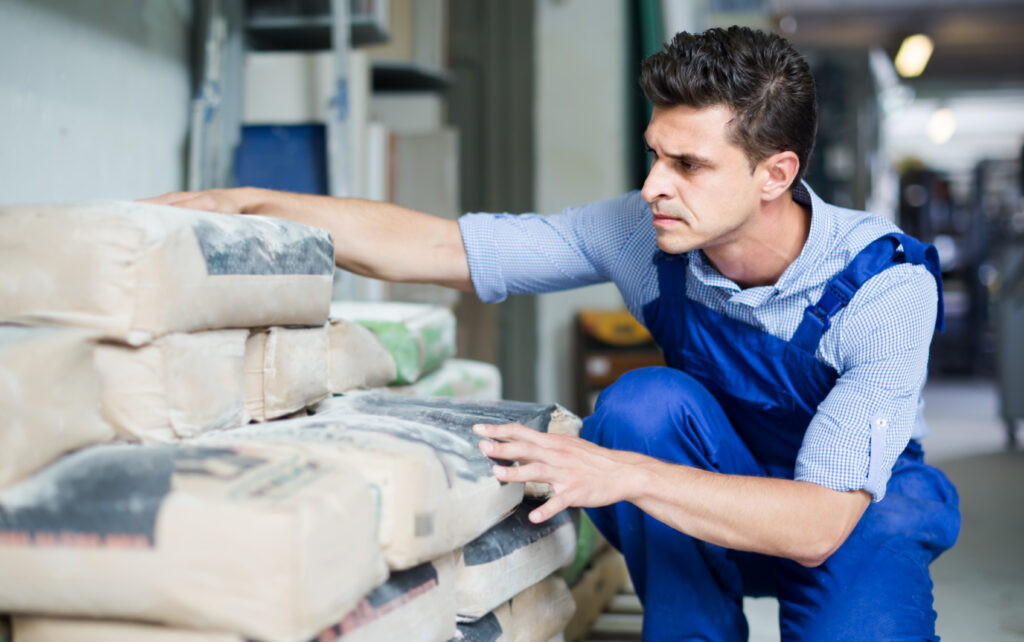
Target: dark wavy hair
(759,75)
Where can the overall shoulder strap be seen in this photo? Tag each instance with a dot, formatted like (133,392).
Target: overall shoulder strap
(880,254)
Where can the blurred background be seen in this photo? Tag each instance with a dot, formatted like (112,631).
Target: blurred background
(453,106)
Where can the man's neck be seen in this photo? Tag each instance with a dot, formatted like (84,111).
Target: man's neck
(773,241)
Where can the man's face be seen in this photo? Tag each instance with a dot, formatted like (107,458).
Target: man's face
(700,187)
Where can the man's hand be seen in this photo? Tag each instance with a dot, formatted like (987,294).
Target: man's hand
(581,473)
(228,201)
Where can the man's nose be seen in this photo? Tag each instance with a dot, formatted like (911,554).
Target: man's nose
(657,185)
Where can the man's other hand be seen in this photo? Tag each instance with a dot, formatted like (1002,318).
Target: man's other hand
(581,473)
(213,200)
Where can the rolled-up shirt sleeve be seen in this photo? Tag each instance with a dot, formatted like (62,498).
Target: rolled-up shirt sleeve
(867,419)
(532,253)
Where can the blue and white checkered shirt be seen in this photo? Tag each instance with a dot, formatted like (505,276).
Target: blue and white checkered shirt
(878,343)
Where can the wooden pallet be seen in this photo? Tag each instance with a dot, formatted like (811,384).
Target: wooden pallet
(605,603)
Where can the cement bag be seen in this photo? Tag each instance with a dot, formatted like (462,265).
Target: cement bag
(460,415)
(271,542)
(434,487)
(178,386)
(538,614)
(135,271)
(52,629)
(419,337)
(285,370)
(510,557)
(459,378)
(417,604)
(356,358)
(50,398)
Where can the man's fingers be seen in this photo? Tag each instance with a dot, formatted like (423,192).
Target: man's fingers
(548,509)
(170,198)
(511,450)
(527,473)
(511,432)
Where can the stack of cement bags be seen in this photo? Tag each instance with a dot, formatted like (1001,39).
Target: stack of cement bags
(134,321)
(165,330)
(413,352)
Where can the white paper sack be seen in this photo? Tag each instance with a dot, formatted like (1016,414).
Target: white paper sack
(271,541)
(417,604)
(51,629)
(179,386)
(50,398)
(135,271)
(356,358)
(419,337)
(435,488)
(285,370)
(538,614)
(510,557)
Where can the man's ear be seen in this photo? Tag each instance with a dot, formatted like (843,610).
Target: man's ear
(780,170)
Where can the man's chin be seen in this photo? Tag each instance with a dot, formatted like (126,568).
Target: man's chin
(673,245)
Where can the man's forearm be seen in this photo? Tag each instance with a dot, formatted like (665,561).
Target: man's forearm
(797,520)
(374,239)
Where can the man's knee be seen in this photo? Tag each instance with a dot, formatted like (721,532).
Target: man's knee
(648,408)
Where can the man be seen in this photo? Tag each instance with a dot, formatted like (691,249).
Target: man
(778,453)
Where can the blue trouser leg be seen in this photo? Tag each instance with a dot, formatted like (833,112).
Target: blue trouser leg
(690,589)
(875,587)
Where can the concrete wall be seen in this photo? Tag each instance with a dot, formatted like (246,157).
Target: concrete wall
(94,98)
(581,133)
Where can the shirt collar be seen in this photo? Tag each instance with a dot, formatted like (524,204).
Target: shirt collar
(817,240)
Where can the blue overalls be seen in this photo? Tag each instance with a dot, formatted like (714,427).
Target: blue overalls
(738,400)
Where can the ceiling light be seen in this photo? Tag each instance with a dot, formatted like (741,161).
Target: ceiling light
(941,126)
(913,55)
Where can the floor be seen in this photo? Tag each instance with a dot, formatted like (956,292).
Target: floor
(979,584)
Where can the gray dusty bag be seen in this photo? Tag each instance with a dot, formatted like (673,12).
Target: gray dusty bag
(356,358)
(135,271)
(510,557)
(272,542)
(538,614)
(434,486)
(181,385)
(285,370)
(419,337)
(416,604)
(459,416)
(50,398)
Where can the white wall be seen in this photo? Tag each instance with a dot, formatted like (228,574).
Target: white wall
(94,98)
(581,134)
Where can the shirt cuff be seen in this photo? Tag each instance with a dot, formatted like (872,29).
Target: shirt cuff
(483,257)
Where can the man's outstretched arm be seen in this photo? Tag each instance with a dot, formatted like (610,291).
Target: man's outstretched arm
(797,520)
(379,240)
